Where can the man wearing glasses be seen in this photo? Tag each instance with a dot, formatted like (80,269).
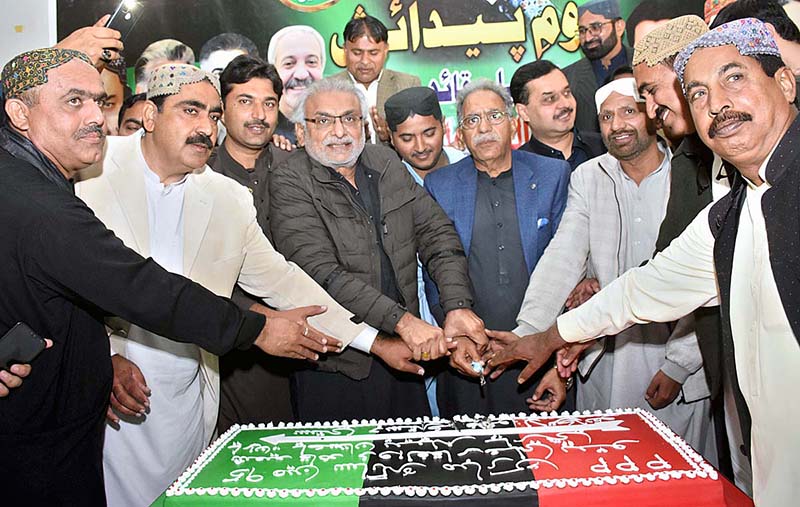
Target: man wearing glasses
(506,206)
(353,218)
(600,29)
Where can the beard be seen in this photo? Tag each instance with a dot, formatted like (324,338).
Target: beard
(631,150)
(316,150)
(601,50)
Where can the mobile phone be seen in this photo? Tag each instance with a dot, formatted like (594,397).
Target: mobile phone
(125,17)
(19,345)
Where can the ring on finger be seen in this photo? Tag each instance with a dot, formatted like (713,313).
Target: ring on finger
(106,54)
(305,331)
(426,356)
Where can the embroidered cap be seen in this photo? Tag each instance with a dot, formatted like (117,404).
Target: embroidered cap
(29,70)
(712,8)
(749,35)
(168,79)
(667,40)
(625,86)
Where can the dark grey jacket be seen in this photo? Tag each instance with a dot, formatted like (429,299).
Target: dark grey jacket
(316,224)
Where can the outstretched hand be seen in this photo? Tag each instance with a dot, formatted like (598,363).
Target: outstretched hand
(395,353)
(549,394)
(288,334)
(535,349)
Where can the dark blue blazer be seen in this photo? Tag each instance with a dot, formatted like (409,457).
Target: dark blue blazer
(540,188)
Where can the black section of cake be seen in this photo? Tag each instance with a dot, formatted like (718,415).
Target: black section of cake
(447,461)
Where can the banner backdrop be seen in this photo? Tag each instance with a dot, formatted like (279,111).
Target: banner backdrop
(445,42)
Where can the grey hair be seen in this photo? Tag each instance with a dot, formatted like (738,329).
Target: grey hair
(324,86)
(487,85)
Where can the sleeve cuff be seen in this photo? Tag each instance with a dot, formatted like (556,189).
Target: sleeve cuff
(568,328)
(365,339)
(677,373)
(251,327)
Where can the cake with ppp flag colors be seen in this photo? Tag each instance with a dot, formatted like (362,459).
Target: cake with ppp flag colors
(616,457)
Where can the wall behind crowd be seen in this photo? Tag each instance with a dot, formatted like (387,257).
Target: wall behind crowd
(445,42)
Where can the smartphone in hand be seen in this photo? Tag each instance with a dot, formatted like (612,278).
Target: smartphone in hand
(125,17)
(20,345)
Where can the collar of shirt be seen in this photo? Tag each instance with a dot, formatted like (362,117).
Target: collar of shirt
(540,148)
(762,173)
(602,73)
(370,91)
(453,155)
(151,179)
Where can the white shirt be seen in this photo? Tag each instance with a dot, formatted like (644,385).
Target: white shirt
(767,354)
(371,93)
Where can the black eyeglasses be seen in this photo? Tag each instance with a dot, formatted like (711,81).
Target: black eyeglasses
(593,28)
(326,121)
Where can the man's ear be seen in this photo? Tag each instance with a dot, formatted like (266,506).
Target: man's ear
(619,26)
(18,114)
(786,80)
(522,112)
(149,116)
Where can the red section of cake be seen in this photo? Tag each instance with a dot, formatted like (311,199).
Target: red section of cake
(646,469)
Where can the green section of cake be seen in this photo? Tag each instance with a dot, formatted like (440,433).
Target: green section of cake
(256,459)
(249,460)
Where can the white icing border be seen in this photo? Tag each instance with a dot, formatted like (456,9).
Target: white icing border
(701,469)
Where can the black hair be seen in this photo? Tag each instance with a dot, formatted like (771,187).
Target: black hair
(768,11)
(243,68)
(622,69)
(770,64)
(117,67)
(656,10)
(526,74)
(228,42)
(128,102)
(158,100)
(369,26)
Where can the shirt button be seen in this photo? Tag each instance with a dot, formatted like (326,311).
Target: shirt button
(255,182)
(501,247)
(637,219)
(499,225)
(496,204)
(460,303)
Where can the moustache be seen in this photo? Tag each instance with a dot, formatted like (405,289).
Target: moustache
(338,140)
(486,137)
(725,116)
(257,123)
(620,132)
(200,139)
(421,153)
(295,83)
(88,131)
(566,110)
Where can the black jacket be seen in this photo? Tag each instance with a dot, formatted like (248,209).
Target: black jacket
(781,207)
(63,272)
